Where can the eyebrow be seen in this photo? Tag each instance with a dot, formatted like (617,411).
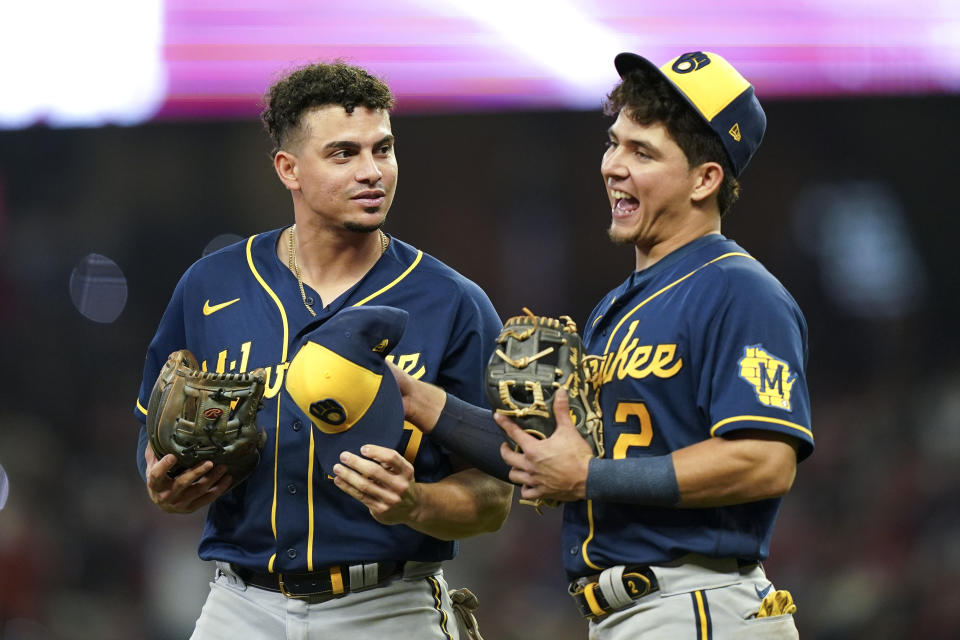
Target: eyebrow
(636,143)
(349,144)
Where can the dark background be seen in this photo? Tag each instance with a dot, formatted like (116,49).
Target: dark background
(866,541)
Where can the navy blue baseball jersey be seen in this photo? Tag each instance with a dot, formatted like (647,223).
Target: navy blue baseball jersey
(704,342)
(239,309)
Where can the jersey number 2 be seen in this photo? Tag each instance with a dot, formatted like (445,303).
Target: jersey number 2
(638,410)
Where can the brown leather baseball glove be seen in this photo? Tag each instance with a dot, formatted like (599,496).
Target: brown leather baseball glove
(198,416)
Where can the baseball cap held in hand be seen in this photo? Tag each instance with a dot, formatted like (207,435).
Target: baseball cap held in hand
(718,93)
(340,380)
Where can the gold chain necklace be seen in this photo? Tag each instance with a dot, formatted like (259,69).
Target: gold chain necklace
(295,266)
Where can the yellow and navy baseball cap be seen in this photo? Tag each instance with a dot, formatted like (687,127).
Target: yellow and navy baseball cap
(339,378)
(716,91)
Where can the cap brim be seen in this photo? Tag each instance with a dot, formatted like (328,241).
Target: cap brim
(627,62)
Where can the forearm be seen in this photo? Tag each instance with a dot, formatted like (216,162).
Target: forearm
(466,430)
(471,433)
(724,471)
(464,504)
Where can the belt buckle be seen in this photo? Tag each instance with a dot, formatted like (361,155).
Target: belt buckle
(284,591)
(311,597)
(287,594)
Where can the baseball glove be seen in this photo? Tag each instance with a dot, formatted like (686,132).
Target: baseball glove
(199,416)
(465,606)
(535,357)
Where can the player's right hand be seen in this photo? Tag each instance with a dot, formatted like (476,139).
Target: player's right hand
(194,488)
(422,401)
(551,469)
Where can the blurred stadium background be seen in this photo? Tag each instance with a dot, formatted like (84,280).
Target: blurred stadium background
(130,146)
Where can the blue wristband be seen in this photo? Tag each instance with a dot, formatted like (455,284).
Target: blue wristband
(650,481)
(471,433)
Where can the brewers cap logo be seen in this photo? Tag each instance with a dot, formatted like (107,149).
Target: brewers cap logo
(691,62)
(329,410)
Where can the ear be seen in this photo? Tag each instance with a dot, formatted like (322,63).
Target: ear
(285,164)
(707,179)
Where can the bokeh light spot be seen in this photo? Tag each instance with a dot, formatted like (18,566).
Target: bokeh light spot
(98,288)
(221,241)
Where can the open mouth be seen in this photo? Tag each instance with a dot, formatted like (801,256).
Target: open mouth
(623,202)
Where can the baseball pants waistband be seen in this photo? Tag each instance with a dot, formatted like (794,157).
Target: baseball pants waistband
(612,589)
(617,587)
(318,586)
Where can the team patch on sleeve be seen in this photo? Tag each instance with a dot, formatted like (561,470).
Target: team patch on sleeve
(769,376)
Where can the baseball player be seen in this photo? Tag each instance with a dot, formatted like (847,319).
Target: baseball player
(355,552)
(701,355)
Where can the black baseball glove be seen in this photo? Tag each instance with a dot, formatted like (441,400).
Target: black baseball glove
(535,357)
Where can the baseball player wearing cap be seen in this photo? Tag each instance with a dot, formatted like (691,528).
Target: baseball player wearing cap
(318,543)
(702,356)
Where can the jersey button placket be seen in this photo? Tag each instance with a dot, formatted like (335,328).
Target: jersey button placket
(296,425)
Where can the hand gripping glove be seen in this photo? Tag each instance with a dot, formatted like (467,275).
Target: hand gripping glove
(199,416)
(535,356)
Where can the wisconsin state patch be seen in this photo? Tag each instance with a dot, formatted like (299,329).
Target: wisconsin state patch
(769,376)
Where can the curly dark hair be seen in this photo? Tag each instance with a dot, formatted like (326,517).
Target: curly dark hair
(317,85)
(649,98)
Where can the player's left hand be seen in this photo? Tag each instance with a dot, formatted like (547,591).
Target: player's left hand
(382,480)
(554,468)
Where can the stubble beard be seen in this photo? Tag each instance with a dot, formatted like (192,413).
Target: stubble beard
(619,237)
(365,228)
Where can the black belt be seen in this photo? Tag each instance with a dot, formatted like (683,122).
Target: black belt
(586,592)
(326,584)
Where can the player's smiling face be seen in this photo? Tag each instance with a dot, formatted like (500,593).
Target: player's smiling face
(648,182)
(346,168)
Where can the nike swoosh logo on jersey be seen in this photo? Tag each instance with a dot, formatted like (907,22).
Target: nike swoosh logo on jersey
(213,308)
(762,593)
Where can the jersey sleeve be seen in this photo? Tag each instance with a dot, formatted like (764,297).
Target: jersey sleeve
(753,373)
(170,336)
(471,342)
